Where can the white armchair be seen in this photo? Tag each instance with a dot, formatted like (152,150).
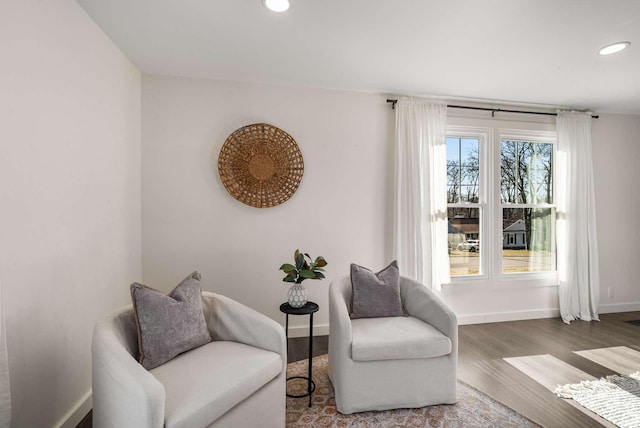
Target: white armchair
(237,380)
(392,362)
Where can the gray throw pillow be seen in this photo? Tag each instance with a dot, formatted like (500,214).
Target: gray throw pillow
(376,294)
(169,325)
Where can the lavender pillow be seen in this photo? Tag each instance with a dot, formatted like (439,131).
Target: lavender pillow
(169,325)
(376,294)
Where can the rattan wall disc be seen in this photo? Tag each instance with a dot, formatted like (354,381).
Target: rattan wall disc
(260,165)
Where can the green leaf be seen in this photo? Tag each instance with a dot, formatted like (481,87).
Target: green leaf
(307,274)
(290,278)
(288,268)
(299,260)
(319,275)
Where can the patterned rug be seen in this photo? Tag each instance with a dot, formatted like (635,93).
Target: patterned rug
(473,409)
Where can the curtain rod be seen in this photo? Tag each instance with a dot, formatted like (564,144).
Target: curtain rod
(493,110)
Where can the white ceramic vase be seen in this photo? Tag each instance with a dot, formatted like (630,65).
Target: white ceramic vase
(297,296)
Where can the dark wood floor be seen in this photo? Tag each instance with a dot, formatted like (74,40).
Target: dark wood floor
(482,347)
(480,364)
(299,348)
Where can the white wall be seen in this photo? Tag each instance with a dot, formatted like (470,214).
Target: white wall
(616,153)
(342,209)
(70,198)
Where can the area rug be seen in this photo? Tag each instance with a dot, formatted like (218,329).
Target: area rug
(615,398)
(473,409)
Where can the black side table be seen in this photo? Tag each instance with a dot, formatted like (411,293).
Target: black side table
(308,309)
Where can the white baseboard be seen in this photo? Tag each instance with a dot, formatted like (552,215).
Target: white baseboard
(323,329)
(507,316)
(303,331)
(608,308)
(612,308)
(77,413)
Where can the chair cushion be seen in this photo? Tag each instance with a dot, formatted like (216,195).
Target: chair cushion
(376,294)
(171,324)
(203,384)
(396,338)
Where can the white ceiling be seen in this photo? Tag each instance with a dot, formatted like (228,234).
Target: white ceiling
(516,51)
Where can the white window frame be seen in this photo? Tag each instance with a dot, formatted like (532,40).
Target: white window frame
(485,138)
(491,232)
(546,278)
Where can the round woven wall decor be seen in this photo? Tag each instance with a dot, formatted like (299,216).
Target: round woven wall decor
(260,165)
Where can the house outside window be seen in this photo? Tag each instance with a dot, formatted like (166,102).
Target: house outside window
(501,204)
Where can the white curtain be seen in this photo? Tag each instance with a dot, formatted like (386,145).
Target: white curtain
(540,230)
(579,288)
(420,216)
(5,393)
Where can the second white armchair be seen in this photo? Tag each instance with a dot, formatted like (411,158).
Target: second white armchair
(392,362)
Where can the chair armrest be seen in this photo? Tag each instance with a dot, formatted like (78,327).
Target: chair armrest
(339,321)
(422,303)
(125,394)
(233,321)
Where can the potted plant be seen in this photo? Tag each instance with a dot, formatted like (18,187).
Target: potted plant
(304,268)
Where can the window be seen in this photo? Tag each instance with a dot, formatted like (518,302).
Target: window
(465,200)
(500,196)
(526,202)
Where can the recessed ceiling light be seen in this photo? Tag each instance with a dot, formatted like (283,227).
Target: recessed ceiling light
(276,5)
(613,48)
